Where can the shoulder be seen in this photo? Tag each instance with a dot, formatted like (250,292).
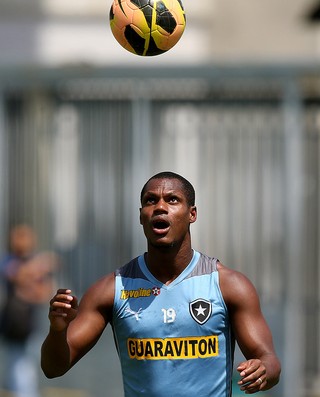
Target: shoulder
(101,294)
(6,263)
(236,288)
(102,287)
(131,269)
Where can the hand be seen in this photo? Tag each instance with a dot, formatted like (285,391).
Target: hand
(63,309)
(253,376)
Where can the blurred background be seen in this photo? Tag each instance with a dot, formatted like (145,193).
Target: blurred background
(234,107)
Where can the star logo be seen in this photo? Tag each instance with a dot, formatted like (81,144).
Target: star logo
(155,291)
(200,310)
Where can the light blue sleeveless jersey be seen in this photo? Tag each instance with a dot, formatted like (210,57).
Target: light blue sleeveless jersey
(173,340)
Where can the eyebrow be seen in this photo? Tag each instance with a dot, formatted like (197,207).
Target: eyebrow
(168,193)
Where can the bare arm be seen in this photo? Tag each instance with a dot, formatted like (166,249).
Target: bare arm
(74,329)
(261,371)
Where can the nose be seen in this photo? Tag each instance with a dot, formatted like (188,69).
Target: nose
(161,206)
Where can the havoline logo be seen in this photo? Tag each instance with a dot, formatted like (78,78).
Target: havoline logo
(135,293)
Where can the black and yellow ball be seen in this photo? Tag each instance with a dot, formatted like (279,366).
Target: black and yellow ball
(147,27)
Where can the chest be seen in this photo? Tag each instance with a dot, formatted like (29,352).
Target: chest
(193,307)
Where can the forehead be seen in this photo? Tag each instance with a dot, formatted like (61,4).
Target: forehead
(164,185)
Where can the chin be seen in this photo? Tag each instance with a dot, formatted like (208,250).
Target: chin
(162,244)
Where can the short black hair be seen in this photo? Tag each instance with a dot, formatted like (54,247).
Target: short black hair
(187,187)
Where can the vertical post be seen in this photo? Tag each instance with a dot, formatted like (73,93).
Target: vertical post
(3,173)
(293,362)
(140,164)
(315,386)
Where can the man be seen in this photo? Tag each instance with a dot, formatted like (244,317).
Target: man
(175,312)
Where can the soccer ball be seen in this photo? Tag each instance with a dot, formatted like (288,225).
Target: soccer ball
(147,27)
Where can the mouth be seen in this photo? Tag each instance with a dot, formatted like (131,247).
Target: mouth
(160,226)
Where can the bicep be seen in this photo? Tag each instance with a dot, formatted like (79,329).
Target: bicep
(249,326)
(251,330)
(83,333)
(94,313)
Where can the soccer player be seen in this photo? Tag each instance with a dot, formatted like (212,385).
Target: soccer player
(175,312)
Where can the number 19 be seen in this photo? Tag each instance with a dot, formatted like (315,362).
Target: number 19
(169,315)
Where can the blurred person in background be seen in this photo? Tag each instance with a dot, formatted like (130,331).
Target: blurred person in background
(28,281)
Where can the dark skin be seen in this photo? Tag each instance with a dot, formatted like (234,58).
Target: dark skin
(166,217)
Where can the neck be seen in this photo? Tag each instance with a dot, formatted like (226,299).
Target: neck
(167,263)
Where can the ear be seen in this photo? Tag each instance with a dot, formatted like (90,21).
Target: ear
(193,214)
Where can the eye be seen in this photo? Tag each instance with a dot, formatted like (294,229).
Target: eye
(149,200)
(173,199)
